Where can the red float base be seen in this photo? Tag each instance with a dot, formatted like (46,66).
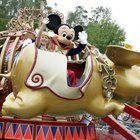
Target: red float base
(41,130)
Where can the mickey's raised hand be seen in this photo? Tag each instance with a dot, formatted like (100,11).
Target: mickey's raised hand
(83,37)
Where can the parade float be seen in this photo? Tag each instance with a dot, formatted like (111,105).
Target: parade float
(36,101)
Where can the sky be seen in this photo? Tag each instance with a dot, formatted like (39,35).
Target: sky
(125,12)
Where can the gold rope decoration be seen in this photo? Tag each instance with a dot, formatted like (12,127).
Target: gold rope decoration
(109,82)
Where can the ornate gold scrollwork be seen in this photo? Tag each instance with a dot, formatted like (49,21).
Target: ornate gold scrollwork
(25,18)
(109,82)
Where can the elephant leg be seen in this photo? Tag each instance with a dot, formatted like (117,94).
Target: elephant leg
(114,107)
(8,101)
(11,105)
(105,108)
(27,104)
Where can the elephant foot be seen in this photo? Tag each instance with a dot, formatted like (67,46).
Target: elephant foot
(8,105)
(4,110)
(119,109)
(114,107)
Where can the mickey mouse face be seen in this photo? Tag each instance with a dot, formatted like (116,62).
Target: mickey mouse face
(66,32)
(63,30)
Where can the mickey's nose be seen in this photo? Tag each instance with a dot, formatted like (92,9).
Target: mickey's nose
(69,37)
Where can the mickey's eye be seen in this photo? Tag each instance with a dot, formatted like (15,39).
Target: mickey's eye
(64,34)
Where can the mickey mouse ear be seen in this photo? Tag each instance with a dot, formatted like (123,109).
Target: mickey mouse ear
(55,20)
(77,29)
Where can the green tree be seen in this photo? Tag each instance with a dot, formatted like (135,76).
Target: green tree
(3,8)
(102,30)
(8,8)
(105,33)
(78,17)
(4,17)
(100,13)
(14,5)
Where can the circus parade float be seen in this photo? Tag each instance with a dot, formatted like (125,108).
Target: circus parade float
(55,85)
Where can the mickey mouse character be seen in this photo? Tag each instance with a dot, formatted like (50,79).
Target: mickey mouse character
(63,39)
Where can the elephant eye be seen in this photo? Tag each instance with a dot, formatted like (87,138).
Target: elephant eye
(64,34)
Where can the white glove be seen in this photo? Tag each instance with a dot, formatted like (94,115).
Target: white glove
(83,37)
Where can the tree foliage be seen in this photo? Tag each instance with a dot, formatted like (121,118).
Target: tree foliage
(3,9)
(78,17)
(105,33)
(102,30)
(9,8)
(100,13)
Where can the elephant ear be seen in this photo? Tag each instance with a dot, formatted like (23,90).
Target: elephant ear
(77,29)
(54,21)
(129,57)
